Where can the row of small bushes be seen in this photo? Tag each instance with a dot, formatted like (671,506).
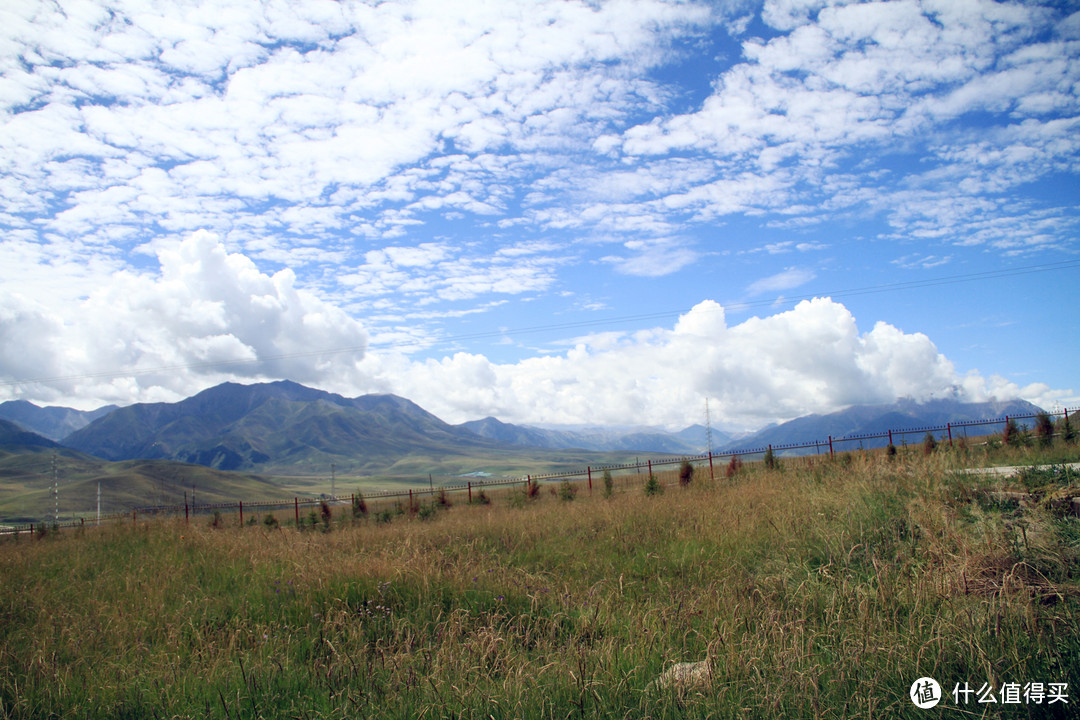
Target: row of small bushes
(1043,433)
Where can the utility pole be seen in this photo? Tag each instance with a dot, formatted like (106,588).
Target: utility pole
(708,427)
(56,492)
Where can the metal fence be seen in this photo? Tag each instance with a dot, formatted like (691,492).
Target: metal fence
(948,433)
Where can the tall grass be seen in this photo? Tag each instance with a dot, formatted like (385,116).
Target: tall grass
(821,589)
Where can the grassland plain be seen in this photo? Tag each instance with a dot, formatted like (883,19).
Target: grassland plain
(818,589)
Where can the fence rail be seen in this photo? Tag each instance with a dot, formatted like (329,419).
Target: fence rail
(945,433)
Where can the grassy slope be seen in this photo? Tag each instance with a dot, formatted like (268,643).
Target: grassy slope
(26,484)
(26,479)
(819,590)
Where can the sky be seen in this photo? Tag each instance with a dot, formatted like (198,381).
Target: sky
(553,212)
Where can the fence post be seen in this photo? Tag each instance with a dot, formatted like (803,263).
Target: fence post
(830,448)
(948,426)
(711,476)
(589,469)
(132,516)
(470,492)
(650,468)
(296,508)
(890,437)
(241,513)
(186,522)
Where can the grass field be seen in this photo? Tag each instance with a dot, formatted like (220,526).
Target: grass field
(820,589)
(26,480)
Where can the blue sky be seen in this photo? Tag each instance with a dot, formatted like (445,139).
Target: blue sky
(551,212)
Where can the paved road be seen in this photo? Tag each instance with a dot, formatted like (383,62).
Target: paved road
(1010,471)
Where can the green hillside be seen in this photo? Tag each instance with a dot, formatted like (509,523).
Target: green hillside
(26,484)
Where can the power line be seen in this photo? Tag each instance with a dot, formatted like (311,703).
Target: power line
(606,321)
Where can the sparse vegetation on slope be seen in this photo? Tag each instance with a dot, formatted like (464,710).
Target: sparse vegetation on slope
(822,589)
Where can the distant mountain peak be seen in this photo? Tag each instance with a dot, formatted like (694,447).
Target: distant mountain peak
(903,414)
(283,423)
(54,423)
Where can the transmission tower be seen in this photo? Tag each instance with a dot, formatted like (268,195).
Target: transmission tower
(708,427)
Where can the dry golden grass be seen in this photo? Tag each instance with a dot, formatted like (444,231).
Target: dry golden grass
(821,589)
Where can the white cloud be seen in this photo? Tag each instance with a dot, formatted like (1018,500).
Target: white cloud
(849,81)
(205,316)
(355,104)
(786,280)
(652,258)
(809,359)
(437,271)
(410,160)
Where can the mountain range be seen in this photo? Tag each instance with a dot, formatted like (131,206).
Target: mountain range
(275,425)
(286,427)
(55,423)
(291,435)
(874,419)
(690,441)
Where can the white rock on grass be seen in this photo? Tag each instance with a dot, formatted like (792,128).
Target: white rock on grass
(684,676)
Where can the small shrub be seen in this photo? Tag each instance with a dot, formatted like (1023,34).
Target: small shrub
(929,444)
(609,484)
(312,519)
(481,498)
(890,451)
(1044,429)
(1011,434)
(325,514)
(443,499)
(359,506)
(653,486)
(270,521)
(217,521)
(252,521)
(1067,432)
(384,516)
(566,491)
(686,473)
(770,459)
(427,512)
(532,490)
(733,467)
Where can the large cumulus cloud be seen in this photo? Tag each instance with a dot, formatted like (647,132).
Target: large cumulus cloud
(204,316)
(812,358)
